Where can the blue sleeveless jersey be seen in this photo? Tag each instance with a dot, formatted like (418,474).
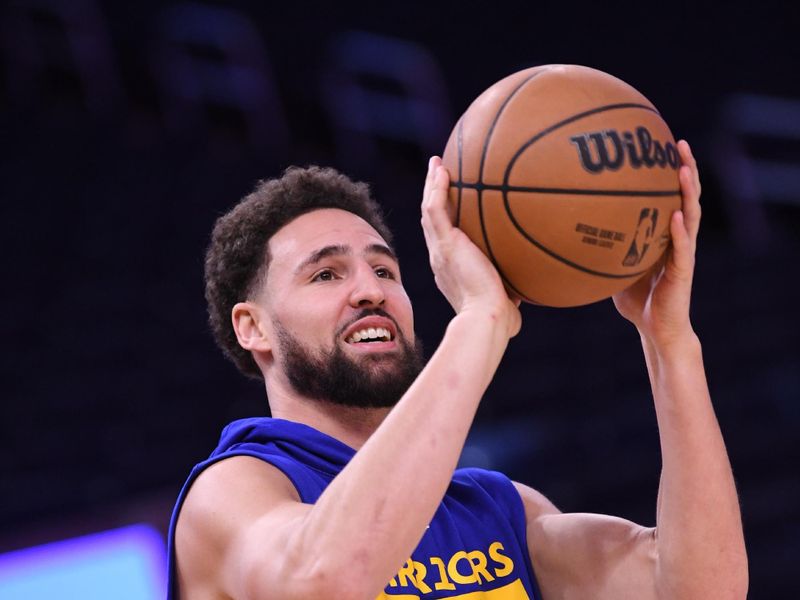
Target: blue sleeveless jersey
(474,549)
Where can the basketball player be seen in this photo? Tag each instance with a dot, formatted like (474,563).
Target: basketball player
(349,490)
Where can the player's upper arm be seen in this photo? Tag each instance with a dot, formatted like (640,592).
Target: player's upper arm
(233,532)
(580,555)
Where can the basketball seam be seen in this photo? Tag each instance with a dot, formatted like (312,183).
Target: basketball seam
(577,192)
(480,181)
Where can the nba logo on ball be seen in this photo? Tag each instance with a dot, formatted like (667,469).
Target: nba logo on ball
(566,178)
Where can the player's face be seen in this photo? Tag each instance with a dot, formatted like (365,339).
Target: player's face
(338,307)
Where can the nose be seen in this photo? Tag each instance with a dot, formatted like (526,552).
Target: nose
(367,289)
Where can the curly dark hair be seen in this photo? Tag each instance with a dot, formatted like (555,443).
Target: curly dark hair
(237,258)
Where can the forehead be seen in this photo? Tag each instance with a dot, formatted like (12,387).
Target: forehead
(311,231)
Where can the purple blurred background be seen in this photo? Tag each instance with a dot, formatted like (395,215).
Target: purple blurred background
(127,128)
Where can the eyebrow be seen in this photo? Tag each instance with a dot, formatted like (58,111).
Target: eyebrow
(381,249)
(342,250)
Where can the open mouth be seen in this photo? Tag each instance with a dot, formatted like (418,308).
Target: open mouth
(370,335)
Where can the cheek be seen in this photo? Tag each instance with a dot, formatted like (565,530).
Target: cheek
(312,318)
(403,312)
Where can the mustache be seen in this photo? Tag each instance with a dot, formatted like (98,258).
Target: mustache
(370,312)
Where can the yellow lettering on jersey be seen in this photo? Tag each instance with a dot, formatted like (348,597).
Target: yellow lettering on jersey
(414,572)
(405,573)
(444,583)
(508,564)
(420,570)
(452,568)
(463,568)
(513,591)
(478,560)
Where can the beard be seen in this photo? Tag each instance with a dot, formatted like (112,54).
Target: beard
(372,381)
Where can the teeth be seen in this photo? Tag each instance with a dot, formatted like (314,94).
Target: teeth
(370,333)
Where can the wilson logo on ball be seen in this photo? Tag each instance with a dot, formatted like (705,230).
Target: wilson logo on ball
(608,149)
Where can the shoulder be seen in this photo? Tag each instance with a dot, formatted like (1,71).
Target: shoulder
(536,504)
(245,482)
(501,487)
(225,499)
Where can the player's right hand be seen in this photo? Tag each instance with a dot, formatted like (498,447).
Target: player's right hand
(462,272)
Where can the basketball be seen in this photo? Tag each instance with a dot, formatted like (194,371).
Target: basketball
(566,177)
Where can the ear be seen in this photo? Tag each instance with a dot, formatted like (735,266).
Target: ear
(250,326)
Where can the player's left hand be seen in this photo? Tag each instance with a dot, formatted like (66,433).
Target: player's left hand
(658,304)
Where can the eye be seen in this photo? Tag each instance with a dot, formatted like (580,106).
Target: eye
(324,275)
(384,273)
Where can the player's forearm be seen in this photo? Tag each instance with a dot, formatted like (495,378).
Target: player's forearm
(700,543)
(372,516)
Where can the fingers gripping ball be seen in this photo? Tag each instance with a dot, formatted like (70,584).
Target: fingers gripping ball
(566,178)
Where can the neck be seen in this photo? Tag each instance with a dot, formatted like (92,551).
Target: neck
(350,425)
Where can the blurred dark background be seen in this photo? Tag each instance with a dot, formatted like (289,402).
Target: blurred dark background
(127,128)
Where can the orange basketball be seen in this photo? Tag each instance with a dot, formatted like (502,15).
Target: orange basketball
(566,178)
